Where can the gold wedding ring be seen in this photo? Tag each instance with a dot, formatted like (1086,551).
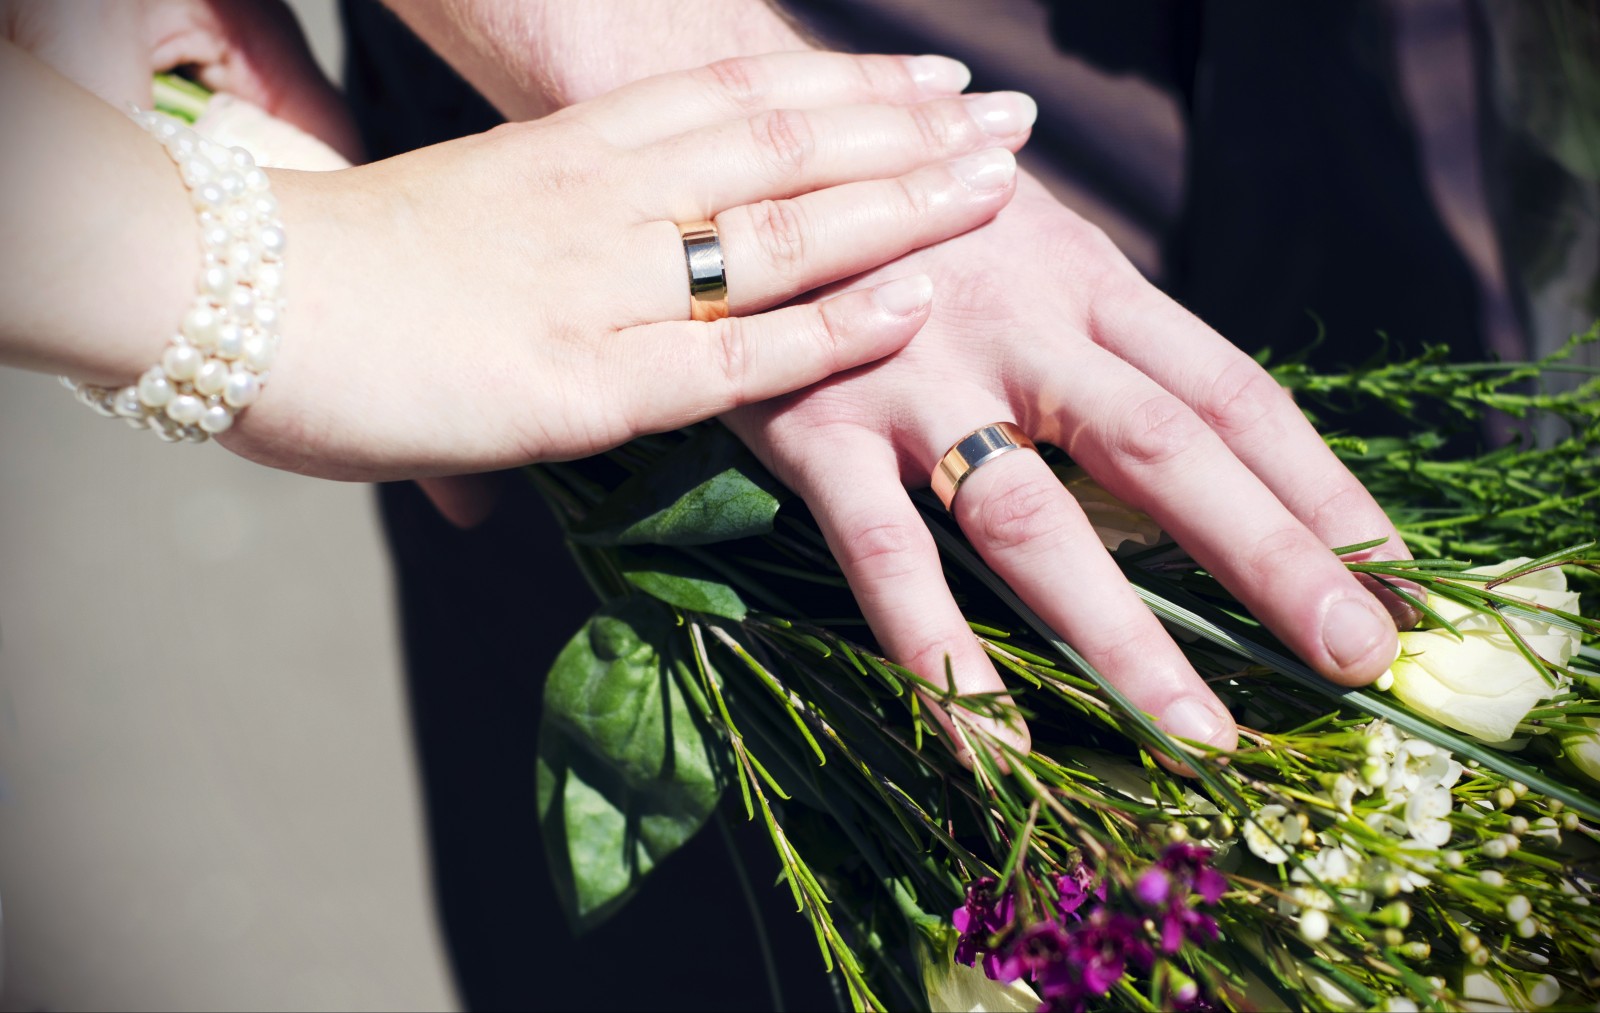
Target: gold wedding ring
(708,283)
(972,452)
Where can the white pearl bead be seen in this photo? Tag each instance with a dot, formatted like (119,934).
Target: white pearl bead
(216,237)
(242,389)
(216,282)
(266,314)
(230,341)
(232,184)
(272,242)
(185,409)
(200,326)
(181,361)
(211,376)
(265,206)
(155,389)
(241,257)
(242,159)
(260,351)
(167,129)
(216,419)
(268,279)
(241,303)
(197,170)
(208,196)
(219,156)
(239,218)
(256,181)
(127,403)
(184,147)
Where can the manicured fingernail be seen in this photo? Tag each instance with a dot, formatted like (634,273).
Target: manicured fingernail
(1003,113)
(1198,721)
(938,74)
(1352,629)
(905,296)
(987,170)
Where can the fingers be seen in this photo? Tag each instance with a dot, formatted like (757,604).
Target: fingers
(464,500)
(783,152)
(893,568)
(777,250)
(1255,417)
(1031,532)
(1147,447)
(676,373)
(1243,404)
(735,89)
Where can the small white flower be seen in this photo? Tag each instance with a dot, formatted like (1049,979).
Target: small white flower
(1274,833)
(1425,814)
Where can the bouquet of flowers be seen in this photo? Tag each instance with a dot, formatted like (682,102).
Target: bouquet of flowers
(1426,842)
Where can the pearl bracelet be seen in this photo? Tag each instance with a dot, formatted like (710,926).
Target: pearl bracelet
(216,365)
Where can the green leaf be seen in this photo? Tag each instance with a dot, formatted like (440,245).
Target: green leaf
(627,771)
(710,489)
(677,581)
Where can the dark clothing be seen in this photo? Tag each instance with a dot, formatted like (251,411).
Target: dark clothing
(1287,185)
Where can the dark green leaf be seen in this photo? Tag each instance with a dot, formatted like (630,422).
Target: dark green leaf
(710,489)
(627,771)
(678,581)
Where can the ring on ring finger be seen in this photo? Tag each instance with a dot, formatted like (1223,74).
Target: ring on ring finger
(708,279)
(972,452)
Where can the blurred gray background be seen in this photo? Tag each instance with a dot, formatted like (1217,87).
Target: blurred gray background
(207,796)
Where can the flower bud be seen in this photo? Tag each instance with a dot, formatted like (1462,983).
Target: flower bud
(1569,821)
(1397,914)
(1518,788)
(1453,859)
(1555,805)
(1177,832)
(1504,799)
(1494,847)
(1478,957)
(1492,877)
(1417,949)
(1527,928)
(1313,926)
(1470,943)
(1518,908)
(1393,937)
(1519,825)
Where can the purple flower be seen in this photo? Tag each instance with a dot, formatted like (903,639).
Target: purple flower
(1190,864)
(1075,888)
(979,920)
(1154,887)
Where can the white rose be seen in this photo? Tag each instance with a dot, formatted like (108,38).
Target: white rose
(1547,587)
(957,988)
(1582,749)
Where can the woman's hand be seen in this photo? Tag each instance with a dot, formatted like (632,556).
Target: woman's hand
(522,295)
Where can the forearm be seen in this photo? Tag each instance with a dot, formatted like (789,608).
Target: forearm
(98,236)
(530,58)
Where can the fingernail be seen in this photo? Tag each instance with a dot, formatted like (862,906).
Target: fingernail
(904,296)
(938,73)
(1003,113)
(987,170)
(1198,721)
(1352,629)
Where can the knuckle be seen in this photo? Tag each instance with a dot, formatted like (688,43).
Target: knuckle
(1017,515)
(1156,432)
(1277,552)
(731,349)
(1242,396)
(911,200)
(885,550)
(934,127)
(1335,510)
(780,233)
(737,80)
(784,139)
